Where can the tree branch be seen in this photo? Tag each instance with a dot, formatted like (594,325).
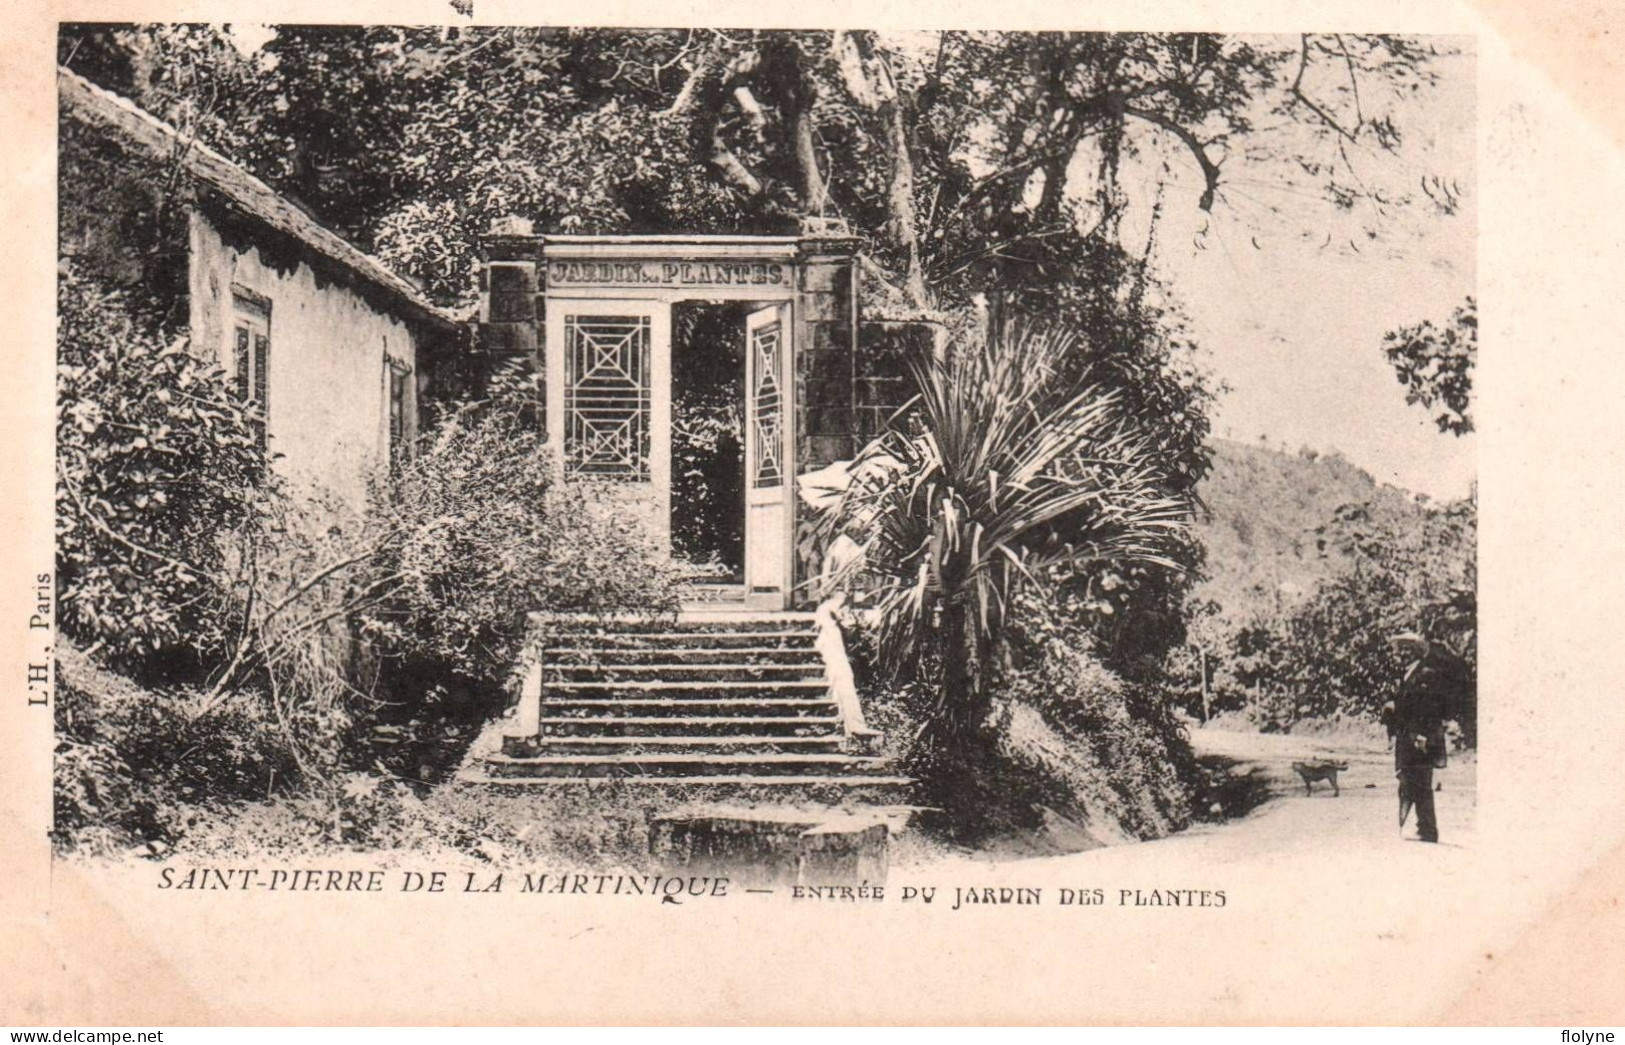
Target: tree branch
(1297,91)
(111,534)
(804,132)
(1210,170)
(697,111)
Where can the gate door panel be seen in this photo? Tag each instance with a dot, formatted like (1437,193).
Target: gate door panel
(769,471)
(609,398)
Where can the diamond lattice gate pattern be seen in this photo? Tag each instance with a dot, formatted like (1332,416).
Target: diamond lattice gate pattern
(607,396)
(768,396)
(768,515)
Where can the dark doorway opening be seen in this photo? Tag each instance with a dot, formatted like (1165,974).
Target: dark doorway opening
(707,438)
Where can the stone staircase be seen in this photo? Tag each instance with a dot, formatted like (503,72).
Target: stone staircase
(721,697)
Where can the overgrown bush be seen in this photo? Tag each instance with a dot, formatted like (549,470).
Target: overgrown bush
(1115,753)
(156,462)
(1072,753)
(301,573)
(481,534)
(1112,750)
(132,763)
(290,644)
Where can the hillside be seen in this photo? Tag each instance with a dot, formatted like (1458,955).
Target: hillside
(1263,506)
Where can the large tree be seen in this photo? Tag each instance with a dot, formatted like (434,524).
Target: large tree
(971,161)
(995,170)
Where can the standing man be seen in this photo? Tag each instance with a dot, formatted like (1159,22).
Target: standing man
(1415,720)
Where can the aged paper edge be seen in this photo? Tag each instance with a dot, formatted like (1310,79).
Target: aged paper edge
(1550,176)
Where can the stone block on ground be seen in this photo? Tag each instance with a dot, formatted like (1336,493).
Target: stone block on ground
(843,854)
(776,850)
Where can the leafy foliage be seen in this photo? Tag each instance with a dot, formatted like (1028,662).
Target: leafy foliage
(1115,751)
(156,466)
(480,535)
(975,167)
(131,762)
(348,644)
(1330,656)
(1435,364)
(1013,474)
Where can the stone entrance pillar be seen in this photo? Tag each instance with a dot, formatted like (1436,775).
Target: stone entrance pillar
(510,302)
(826,354)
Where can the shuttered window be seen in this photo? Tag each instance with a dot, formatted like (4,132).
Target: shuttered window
(251,357)
(241,361)
(397,378)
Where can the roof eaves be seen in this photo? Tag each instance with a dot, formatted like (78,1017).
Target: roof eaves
(247,192)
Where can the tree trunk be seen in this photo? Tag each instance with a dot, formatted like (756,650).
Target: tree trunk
(870,83)
(799,101)
(959,765)
(814,194)
(964,700)
(904,221)
(1206,699)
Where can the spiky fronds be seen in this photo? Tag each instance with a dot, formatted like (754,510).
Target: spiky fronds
(1008,468)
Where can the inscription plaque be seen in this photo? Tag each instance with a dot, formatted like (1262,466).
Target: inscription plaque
(633,273)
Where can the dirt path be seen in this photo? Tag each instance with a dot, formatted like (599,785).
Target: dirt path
(1285,818)
(1272,822)
(1319,892)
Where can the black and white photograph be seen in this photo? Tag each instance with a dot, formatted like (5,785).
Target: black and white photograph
(906,474)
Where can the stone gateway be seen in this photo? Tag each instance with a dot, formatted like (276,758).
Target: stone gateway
(595,315)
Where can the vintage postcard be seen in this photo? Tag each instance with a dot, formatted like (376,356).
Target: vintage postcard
(826,516)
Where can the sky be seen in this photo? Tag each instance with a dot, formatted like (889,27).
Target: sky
(1290,316)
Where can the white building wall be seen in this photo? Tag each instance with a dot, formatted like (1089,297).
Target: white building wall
(328,389)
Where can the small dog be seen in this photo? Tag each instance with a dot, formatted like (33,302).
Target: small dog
(1320,769)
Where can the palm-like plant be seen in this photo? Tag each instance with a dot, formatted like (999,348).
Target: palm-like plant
(1011,466)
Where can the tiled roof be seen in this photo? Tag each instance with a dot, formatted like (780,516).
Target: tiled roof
(84,100)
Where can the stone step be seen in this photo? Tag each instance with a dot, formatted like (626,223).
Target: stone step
(682,765)
(546,746)
(566,674)
(692,726)
(847,782)
(681,640)
(634,707)
(692,624)
(677,690)
(610,655)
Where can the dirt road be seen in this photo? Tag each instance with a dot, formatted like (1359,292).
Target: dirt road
(1320,892)
(1362,817)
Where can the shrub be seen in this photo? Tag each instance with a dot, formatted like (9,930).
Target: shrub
(387,636)
(156,461)
(1115,752)
(1329,656)
(481,535)
(294,637)
(299,577)
(1071,750)
(1016,468)
(132,762)
(1073,743)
